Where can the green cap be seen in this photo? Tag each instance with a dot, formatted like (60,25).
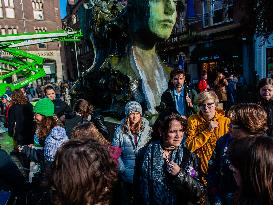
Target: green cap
(44,107)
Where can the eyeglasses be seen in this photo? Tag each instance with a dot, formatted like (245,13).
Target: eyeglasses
(208,105)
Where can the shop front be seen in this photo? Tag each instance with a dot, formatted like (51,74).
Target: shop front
(219,56)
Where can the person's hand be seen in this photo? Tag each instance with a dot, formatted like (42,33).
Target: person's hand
(212,125)
(188,99)
(173,168)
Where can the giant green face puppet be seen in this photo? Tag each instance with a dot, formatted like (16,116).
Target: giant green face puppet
(156,16)
(162,17)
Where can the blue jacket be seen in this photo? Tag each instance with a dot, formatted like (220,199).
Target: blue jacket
(53,141)
(125,140)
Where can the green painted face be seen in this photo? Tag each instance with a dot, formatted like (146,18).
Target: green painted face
(162,17)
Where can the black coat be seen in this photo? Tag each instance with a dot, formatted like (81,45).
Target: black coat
(168,104)
(96,119)
(62,108)
(21,125)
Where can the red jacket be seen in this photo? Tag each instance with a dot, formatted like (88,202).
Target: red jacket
(202,85)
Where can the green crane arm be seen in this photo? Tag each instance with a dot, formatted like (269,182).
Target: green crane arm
(28,65)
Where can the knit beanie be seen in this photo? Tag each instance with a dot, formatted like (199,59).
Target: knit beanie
(132,106)
(44,107)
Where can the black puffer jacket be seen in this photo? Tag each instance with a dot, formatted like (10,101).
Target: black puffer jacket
(96,119)
(62,108)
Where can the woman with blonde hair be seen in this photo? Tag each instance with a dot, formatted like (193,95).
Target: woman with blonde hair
(131,135)
(205,128)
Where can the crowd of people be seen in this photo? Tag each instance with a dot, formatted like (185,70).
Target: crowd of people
(200,150)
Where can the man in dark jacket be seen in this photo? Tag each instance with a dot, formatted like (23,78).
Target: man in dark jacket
(178,98)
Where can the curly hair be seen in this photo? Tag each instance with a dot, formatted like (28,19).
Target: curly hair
(88,131)
(45,126)
(249,116)
(83,108)
(19,98)
(82,173)
(253,158)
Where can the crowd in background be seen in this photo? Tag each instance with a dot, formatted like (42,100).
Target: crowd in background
(204,147)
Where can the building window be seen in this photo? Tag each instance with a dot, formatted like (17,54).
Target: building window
(217,12)
(9,8)
(39,30)
(1,10)
(37,6)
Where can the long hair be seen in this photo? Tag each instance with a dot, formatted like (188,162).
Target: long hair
(253,158)
(45,126)
(18,98)
(133,128)
(88,131)
(249,116)
(83,173)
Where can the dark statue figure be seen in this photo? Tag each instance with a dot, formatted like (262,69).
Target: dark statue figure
(126,67)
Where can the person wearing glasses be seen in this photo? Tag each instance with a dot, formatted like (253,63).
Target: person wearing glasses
(205,128)
(247,120)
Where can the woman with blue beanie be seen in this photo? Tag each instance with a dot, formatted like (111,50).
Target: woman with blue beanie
(132,134)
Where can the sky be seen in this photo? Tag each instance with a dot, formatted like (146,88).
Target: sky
(63,8)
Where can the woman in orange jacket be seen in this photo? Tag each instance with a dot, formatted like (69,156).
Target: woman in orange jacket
(205,128)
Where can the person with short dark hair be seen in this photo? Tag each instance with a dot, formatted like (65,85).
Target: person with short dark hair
(178,98)
(252,168)
(83,173)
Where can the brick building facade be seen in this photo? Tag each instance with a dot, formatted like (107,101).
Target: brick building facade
(20,16)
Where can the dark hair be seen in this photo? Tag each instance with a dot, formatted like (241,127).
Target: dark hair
(82,173)
(19,98)
(253,158)
(175,72)
(48,87)
(83,108)
(163,123)
(265,81)
(88,131)
(249,116)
